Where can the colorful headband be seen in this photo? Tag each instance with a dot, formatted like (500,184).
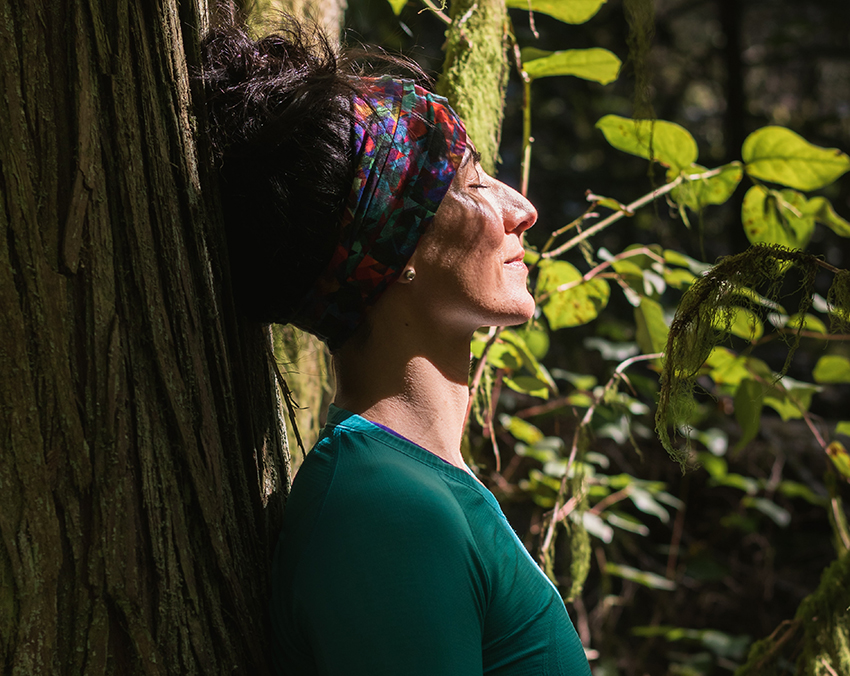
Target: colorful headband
(409,146)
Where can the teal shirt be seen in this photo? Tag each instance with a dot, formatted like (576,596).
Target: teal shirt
(394,562)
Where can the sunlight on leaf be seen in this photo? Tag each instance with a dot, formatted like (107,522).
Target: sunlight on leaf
(643,577)
(840,458)
(568,11)
(594,525)
(806,323)
(652,329)
(528,385)
(772,217)
(749,401)
(832,368)
(769,508)
(576,306)
(595,64)
(666,142)
(397,5)
(781,156)
(521,429)
(824,213)
(745,324)
(696,195)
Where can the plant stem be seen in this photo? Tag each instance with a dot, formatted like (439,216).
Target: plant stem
(526,132)
(642,251)
(629,210)
(442,16)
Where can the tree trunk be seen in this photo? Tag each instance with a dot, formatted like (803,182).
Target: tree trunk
(142,473)
(475,72)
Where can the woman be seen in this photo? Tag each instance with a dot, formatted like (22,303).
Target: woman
(356,209)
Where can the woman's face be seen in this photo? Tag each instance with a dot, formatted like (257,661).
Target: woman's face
(469,269)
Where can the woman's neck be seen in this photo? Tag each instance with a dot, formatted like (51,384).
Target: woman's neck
(413,384)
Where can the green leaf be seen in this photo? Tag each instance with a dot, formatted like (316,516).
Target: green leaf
(595,64)
(658,140)
(646,503)
(832,368)
(536,339)
(840,458)
(806,323)
(749,401)
(794,489)
(776,217)
(843,428)
(594,525)
(824,213)
(673,257)
(568,11)
(781,156)
(769,508)
(626,522)
(727,368)
(576,306)
(521,429)
(742,483)
(679,279)
(397,5)
(745,324)
(528,359)
(502,356)
(652,329)
(528,385)
(643,577)
(698,194)
(717,468)
(793,401)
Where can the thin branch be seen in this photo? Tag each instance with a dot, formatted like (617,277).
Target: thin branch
(642,251)
(609,500)
(438,12)
(629,210)
(479,370)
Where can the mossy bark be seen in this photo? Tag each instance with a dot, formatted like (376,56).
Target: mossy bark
(142,474)
(475,71)
(818,639)
(327,14)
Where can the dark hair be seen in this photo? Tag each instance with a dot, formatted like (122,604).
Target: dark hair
(280,124)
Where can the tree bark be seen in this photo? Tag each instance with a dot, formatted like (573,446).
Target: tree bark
(142,475)
(475,72)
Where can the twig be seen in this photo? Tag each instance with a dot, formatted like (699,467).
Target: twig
(642,251)
(828,667)
(479,370)
(609,500)
(588,416)
(629,210)
(839,523)
(438,12)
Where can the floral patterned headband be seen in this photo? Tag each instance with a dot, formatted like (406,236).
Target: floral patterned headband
(409,146)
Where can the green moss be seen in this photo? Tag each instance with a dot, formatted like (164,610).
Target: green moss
(475,72)
(711,303)
(818,639)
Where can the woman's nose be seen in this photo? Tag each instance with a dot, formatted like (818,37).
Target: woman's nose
(519,213)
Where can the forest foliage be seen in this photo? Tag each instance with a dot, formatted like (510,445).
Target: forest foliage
(698,351)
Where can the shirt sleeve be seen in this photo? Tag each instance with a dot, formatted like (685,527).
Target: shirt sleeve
(407,590)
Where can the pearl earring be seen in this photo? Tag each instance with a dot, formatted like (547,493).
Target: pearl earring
(410,274)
